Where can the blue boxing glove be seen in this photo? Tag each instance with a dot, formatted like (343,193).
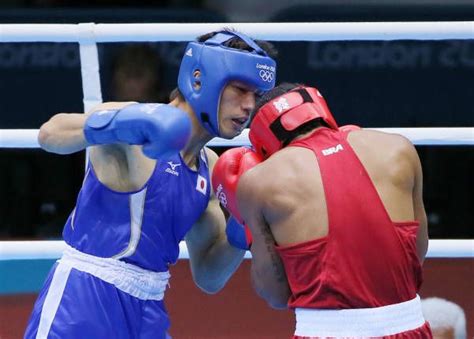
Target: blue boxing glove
(238,235)
(163,130)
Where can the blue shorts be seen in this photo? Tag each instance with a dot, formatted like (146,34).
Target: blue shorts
(75,304)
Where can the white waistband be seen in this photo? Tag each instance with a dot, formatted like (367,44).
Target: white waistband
(131,279)
(360,322)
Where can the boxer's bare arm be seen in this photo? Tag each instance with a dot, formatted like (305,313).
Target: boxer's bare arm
(418,206)
(405,159)
(120,167)
(212,259)
(267,271)
(63,133)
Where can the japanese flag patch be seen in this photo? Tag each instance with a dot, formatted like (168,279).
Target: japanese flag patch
(201,184)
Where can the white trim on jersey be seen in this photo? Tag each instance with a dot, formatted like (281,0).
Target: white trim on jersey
(137,204)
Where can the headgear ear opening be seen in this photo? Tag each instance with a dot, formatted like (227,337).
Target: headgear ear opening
(197,80)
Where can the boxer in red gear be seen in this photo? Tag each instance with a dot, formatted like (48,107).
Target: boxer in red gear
(337,218)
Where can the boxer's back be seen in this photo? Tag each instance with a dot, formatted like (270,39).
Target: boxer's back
(295,197)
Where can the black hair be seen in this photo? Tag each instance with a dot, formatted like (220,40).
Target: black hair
(238,43)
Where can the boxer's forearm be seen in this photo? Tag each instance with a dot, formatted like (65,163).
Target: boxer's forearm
(269,280)
(213,260)
(222,261)
(218,265)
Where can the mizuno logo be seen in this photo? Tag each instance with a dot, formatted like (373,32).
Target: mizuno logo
(172,168)
(332,150)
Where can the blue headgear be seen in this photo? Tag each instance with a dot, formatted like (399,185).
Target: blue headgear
(218,65)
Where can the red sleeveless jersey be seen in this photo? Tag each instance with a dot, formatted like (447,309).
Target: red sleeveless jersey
(366,260)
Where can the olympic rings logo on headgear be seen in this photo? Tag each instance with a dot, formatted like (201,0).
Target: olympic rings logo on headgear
(266,75)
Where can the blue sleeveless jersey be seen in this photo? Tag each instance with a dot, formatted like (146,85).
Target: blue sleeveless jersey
(145,227)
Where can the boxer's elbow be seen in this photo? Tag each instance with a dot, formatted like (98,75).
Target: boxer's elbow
(275,295)
(275,301)
(277,305)
(206,279)
(57,136)
(46,136)
(210,289)
(207,285)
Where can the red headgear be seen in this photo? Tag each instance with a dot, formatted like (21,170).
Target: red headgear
(279,118)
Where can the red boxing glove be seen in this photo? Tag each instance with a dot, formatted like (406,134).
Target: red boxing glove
(226,174)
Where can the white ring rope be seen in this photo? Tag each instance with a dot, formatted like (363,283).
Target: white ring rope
(89,67)
(52,249)
(306,31)
(89,34)
(28,138)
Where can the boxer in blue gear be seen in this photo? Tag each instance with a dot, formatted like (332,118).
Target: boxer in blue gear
(146,188)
